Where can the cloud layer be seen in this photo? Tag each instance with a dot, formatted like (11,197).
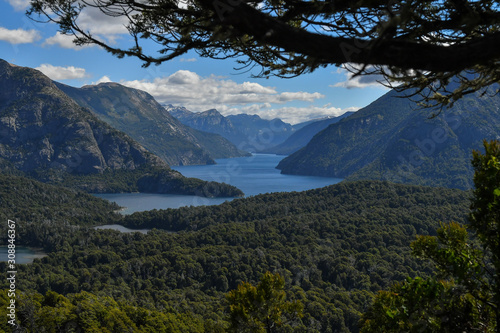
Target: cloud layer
(19,5)
(62,73)
(189,89)
(198,93)
(361,81)
(103,27)
(19,36)
(64,41)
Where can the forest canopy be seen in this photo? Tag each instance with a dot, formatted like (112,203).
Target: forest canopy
(335,247)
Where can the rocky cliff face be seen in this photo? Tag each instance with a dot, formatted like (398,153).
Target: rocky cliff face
(47,135)
(247,132)
(138,114)
(42,128)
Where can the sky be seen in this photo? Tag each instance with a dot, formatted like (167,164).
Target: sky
(196,83)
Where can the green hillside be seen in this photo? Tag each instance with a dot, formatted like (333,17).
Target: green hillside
(46,135)
(335,247)
(138,114)
(391,139)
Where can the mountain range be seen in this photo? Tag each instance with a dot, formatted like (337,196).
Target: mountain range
(138,114)
(109,138)
(247,132)
(45,134)
(304,132)
(392,139)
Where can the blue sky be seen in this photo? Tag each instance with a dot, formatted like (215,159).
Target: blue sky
(197,83)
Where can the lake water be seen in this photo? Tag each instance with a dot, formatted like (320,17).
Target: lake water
(24,255)
(253,175)
(120,228)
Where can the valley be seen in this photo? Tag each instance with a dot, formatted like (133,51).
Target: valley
(254,175)
(391,139)
(337,246)
(149,225)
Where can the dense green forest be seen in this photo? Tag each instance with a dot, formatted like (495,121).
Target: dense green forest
(335,247)
(146,179)
(34,203)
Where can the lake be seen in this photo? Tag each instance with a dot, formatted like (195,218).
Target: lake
(255,174)
(24,255)
(120,228)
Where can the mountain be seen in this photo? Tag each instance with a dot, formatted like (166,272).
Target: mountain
(259,134)
(247,132)
(34,202)
(137,113)
(208,121)
(45,134)
(307,122)
(393,140)
(304,133)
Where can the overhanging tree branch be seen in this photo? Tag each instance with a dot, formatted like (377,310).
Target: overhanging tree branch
(419,44)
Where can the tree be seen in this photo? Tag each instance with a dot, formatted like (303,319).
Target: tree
(262,308)
(465,293)
(485,213)
(422,44)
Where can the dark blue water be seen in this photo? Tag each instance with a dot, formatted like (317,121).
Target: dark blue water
(253,175)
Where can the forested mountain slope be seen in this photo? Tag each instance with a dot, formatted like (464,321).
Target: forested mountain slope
(335,246)
(391,139)
(301,137)
(45,134)
(137,113)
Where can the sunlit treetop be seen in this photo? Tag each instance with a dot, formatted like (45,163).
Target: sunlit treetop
(413,44)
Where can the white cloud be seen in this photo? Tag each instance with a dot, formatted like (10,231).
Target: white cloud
(62,73)
(360,81)
(103,79)
(19,36)
(188,60)
(64,41)
(19,5)
(199,93)
(302,96)
(94,20)
(103,27)
(183,77)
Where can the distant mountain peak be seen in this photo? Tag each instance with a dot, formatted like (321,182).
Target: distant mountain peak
(137,113)
(248,132)
(212,113)
(304,133)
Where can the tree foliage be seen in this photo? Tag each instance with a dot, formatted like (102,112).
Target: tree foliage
(423,44)
(457,299)
(485,209)
(87,312)
(335,247)
(261,308)
(466,289)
